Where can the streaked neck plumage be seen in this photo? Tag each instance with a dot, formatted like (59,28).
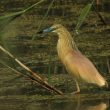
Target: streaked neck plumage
(65,43)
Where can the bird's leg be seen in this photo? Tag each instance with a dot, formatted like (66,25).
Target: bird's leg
(78,88)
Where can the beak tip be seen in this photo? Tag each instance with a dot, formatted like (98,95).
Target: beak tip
(46,30)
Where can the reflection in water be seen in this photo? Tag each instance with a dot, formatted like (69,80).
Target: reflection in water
(101,106)
(69,105)
(54,105)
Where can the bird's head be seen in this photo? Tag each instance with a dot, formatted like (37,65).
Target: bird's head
(56,28)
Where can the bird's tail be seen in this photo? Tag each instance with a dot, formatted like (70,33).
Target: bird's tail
(102,82)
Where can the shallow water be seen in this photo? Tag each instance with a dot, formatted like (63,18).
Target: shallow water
(64,104)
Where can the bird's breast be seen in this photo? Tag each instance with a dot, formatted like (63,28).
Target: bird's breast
(63,51)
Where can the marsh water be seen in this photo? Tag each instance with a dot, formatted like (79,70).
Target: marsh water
(18,92)
(54,105)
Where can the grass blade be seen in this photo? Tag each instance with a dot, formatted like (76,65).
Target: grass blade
(83,15)
(4,20)
(42,21)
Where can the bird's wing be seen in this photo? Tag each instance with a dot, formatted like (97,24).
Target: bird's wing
(81,67)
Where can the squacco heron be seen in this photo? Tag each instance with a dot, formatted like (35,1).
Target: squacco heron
(80,67)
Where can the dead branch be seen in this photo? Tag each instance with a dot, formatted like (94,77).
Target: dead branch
(32,75)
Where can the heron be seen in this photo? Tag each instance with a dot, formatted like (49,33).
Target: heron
(77,64)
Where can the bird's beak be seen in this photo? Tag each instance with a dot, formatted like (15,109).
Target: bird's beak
(47,30)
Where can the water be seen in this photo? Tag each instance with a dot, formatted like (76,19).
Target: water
(78,104)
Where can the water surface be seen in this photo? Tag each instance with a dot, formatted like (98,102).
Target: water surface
(57,104)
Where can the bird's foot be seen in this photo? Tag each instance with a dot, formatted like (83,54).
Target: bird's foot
(75,92)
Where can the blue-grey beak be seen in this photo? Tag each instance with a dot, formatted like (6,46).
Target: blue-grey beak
(50,29)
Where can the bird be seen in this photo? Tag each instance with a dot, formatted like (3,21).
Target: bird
(76,64)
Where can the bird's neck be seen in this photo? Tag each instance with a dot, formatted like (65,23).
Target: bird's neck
(65,44)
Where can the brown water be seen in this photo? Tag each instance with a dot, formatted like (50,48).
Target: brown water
(54,104)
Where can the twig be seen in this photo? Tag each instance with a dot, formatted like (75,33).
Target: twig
(98,14)
(31,77)
(32,74)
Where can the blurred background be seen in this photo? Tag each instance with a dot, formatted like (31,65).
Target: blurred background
(40,54)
